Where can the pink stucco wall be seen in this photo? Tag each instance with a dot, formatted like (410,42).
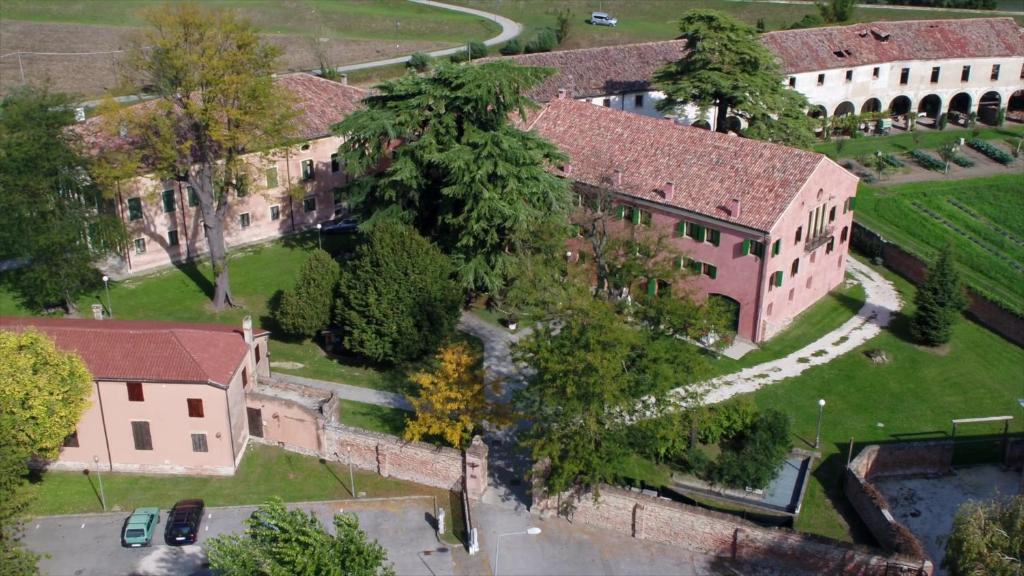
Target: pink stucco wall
(155,223)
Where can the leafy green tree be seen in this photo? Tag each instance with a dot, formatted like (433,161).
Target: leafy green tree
(55,216)
(306,309)
(987,539)
(563,25)
(594,374)
(460,172)
(753,456)
(940,300)
(216,102)
(836,11)
(512,47)
(281,542)
(727,68)
(397,301)
(43,393)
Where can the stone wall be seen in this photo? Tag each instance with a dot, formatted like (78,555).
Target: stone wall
(651,518)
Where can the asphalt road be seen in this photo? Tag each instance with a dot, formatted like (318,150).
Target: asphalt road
(90,545)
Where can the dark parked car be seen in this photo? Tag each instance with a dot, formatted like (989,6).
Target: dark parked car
(183,522)
(340,226)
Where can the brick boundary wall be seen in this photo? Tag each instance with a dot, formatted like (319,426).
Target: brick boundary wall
(719,534)
(985,312)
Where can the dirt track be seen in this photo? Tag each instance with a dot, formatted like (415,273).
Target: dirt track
(94,75)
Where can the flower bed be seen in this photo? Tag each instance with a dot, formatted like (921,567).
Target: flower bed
(988,149)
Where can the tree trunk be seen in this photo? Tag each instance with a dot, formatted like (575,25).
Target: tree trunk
(213,222)
(69,304)
(722,113)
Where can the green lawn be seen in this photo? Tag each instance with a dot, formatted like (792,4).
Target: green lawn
(351,19)
(986,240)
(903,142)
(265,472)
(373,417)
(914,396)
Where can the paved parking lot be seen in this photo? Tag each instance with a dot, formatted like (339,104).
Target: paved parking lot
(90,545)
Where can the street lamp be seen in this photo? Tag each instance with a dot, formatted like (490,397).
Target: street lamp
(351,476)
(319,242)
(99,477)
(817,436)
(531,531)
(106,286)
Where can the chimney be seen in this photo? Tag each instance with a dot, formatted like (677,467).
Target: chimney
(247,330)
(567,169)
(617,178)
(670,190)
(562,93)
(734,208)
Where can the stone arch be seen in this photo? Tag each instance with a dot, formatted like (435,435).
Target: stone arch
(845,109)
(961,103)
(817,111)
(732,306)
(1015,103)
(930,106)
(900,105)
(871,105)
(733,124)
(988,107)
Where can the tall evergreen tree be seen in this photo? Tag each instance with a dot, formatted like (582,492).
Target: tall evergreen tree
(457,169)
(726,68)
(54,215)
(306,309)
(940,300)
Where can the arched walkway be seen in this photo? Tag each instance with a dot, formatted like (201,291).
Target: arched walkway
(960,103)
(1016,102)
(845,109)
(900,105)
(930,105)
(988,107)
(871,105)
(817,111)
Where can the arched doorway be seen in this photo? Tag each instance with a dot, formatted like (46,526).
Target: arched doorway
(930,106)
(988,107)
(730,308)
(871,106)
(817,111)
(961,103)
(1015,106)
(734,124)
(845,109)
(899,106)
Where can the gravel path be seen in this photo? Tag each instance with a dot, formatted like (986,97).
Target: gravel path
(348,392)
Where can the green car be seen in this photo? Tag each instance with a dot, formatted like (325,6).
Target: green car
(139,528)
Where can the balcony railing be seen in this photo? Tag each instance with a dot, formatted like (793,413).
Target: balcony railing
(818,240)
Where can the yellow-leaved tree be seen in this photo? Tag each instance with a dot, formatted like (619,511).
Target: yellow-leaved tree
(43,391)
(453,398)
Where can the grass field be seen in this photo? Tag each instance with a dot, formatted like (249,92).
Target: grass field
(982,219)
(913,397)
(371,417)
(904,142)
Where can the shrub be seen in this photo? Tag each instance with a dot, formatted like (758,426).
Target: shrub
(544,41)
(892,160)
(927,160)
(460,56)
(399,302)
(306,309)
(477,50)
(419,61)
(961,161)
(753,457)
(726,420)
(943,121)
(512,47)
(988,149)
(1001,117)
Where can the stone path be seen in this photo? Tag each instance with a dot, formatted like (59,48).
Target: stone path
(348,392)
(881,302)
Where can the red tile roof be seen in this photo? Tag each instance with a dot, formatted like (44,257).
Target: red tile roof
(146,351)
(873,43)
(589,72)
(707,169)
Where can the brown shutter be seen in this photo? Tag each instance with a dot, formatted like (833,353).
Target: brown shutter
(140,433)
(195,407)
(255,421)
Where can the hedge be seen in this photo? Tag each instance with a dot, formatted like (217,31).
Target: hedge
(997,154)
(927,160)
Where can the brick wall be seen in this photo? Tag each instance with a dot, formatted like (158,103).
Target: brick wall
(650,518)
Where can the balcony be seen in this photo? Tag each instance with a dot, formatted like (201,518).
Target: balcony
(819,240)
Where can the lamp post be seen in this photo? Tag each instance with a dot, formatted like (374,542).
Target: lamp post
(106,286)
(99,477)
(319,242)
(351,476)
(531,531)
(817,435)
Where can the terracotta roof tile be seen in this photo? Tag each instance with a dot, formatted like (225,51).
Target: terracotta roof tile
(589,72)
(707,169)
(145,351)
(873,43)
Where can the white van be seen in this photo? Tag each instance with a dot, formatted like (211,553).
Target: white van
(602,19)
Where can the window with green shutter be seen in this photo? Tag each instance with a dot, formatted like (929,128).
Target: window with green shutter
(135,209)
(635,215)
(757,248)
(193,198)
(776,247)
(853,202)
(271,174)
(695,266)
(714,236)
(710,271)
(168,200)
(620,212)
(645,218)
(778,279)
(681,228)
(746,247)
(307,170)
(700,234)
(652,287)
(680,263)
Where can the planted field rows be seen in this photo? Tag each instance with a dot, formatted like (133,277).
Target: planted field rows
(983,220)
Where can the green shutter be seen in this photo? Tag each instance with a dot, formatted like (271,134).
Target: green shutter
(134,209)
(681,228)
(695,266)
(778,279)
(680,262)
(620,212)
(635,215)
(699,233)
(193,198)
(712,271)
(853,202)
(168,198)
(776,247)
(652,287)
(714,236)
(272,177)
(746,247)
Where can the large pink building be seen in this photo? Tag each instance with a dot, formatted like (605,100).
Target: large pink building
(166,397)
(764,226)
(163,217)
